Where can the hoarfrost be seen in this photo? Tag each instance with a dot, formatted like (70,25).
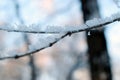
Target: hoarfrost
(36,28)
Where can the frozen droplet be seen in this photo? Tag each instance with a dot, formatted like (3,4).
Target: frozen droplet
(89,33)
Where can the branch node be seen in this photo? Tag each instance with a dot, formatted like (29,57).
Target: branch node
(69,33)
(50,44)
(16,57)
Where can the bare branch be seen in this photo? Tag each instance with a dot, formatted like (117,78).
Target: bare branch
(90,24)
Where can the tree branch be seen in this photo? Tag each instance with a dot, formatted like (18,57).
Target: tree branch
(35,51)
(90,24)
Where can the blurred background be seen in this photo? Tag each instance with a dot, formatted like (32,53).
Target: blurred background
(90,55)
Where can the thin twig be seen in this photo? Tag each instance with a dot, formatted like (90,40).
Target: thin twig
(35,51)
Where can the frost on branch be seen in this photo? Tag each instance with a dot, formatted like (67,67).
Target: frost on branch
(98,22)
(45,42)
(49,40)
(41,40)
(34,28)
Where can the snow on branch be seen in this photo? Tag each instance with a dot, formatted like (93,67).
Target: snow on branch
(90,24)
(35,51)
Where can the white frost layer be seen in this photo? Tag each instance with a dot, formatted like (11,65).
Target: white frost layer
(34,28)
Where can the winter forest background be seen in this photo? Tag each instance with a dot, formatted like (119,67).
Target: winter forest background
(92,54)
